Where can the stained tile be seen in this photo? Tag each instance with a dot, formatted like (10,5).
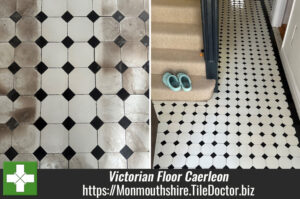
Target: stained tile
(106,29)
(132,29)
(136,81)
(7,29)
(109,81)
(7,55)
(5,111)
(27,55)
(134,54)
(28,29)
(111,137)
(25,138)
(111,108)
(29,7)
(83,161)
(112,161)
(6,81)
(135,108)
(126,8)
(8,7)
(27,81)
(54,161)
(137,137)
(107,54)
(26,109)
(105,7)
(5,141)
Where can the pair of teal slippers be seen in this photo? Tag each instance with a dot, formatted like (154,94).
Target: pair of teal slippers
(178,82)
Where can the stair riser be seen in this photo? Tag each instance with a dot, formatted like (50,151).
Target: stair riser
(160,67)
(177,41)
(169,14)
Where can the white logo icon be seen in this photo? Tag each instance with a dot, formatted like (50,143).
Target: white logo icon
(20,178)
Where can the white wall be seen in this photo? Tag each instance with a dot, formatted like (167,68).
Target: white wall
(290,53)
(287,12)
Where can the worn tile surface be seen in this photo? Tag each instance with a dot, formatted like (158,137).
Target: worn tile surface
(251,122)
(74,83)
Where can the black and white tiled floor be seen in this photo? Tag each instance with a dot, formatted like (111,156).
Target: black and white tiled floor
(251,122)
(74,83)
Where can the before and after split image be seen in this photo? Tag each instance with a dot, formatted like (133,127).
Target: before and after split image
(150,84)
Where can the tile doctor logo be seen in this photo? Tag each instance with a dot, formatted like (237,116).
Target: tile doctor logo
(20,178)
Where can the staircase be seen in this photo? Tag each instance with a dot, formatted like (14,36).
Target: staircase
(176,45)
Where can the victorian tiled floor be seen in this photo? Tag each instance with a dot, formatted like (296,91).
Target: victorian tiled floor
(251,122)
(74,83)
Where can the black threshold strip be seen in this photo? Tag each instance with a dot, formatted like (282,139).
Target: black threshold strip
(290,101)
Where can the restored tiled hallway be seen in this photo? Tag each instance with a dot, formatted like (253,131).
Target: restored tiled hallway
(251,122)
(74,83)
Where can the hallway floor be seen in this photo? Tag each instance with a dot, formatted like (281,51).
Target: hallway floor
(251,122)
(74,83)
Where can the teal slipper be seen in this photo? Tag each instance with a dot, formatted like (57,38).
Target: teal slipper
(185,81)
(171,81)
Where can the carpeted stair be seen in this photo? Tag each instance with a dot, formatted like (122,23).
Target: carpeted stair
(176,45)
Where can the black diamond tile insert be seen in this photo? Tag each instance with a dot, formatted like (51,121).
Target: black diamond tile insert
(171,167)
(126,152)
(14,68)
(226,155)
(41,67)
(160,154)
(41,42)
(40,123)
(11,153)
(118,16)
(252,156)
(121,67)
(94,42)
(144,16)
(96,123)
(67,17)
(41,17)
(213,155)
(200,155)
(201,143)
(93,16)
(68,153)
(120,41)
(123,94)
(68,94)
(68,42)
(95,94)
(187,154)
(68,123)
(13,95)
(68,67)
(40,95)
(145,41)
(94,67)
(277,156)
(40,153)
(15,41)
(146,66)
(97,152)
(176,143)
(147,94)
(125,122)
(189,143)
(239,155)
(12,124)
(174,154)
(185,167)
(156,167)
(264,156)
(290,157)
(15,17)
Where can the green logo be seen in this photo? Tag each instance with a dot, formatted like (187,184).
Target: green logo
(20,178)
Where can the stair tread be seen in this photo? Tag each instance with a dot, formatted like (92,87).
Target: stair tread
(202,90)
(175,28)
(175,55)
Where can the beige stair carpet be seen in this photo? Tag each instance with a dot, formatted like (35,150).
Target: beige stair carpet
(176,45)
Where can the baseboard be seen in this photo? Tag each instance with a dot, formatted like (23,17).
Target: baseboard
(291,81)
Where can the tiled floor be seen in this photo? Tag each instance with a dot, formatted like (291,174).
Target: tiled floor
(74,83)
(251,122)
